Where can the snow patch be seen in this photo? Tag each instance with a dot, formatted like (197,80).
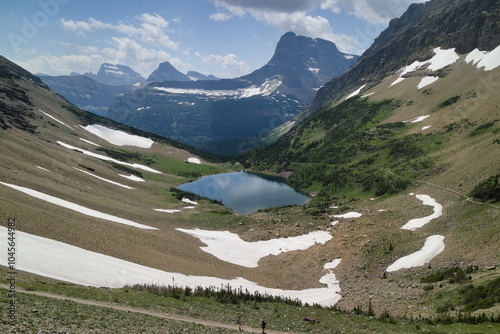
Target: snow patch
(229,247)
(167,210)
(187,200)
(417,119)
(267,88)
(117,137)
(90,142)
(356,92)
(331,280)
(432,247)
(55,119)
(79,266)
(426,127)
(132,177)
(75,207)
(194,161)
(106,158)
(103,179)
(348,215)
(441,59)
(44,169)
(426,81)
(419,222)
(489,60)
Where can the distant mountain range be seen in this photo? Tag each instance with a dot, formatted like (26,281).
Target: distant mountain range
(221,115)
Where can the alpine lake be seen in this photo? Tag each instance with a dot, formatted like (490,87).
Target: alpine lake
(246,193)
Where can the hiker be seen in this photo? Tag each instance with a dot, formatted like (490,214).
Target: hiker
(239,322)
(263,326)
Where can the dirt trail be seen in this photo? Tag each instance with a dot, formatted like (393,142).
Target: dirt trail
(119,307)
(467,198)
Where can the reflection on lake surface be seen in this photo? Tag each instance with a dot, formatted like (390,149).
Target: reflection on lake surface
(245,192)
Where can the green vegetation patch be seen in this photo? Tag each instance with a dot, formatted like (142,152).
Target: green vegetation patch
(488,190)
(480,296)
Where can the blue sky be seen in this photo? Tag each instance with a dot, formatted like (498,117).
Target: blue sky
(227,38)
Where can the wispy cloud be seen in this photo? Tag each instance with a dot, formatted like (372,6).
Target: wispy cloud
(149,28)
(228,62)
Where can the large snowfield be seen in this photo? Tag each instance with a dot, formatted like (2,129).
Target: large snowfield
(231,248)
(117,137)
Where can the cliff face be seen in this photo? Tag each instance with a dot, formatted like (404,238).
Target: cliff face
(460,24)
(305,64)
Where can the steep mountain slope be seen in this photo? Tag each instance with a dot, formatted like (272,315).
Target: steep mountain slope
(463,25)
(304,64)
(221,115)
(116,75)
(415,115)
(86,93)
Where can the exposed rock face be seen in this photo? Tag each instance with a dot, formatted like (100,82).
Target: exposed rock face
(116,75)
(305,64)
(166,72)
(460,24)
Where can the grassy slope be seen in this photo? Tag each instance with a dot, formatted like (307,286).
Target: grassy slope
(362,243)
(453,158)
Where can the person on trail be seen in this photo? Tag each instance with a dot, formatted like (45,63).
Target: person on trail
(239,322)
(263,326)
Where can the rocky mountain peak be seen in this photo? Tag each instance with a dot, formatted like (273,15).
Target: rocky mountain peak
(116,75)
(167,72)
(304,63)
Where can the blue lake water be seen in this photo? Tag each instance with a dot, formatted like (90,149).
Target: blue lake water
(244,192)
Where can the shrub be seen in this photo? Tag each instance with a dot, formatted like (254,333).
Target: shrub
(488,190)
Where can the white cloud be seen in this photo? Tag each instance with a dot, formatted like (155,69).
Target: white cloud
(63,65)
(230,64)
(373,11)
(121,50)
(221,16)
(150,28)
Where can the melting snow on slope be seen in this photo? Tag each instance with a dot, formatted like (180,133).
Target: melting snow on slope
(488,60)
(356,92)
(132,177)
(106,158)
(167,210)
(103,179)
(55,119)
(432,247)
(426,81)
(417,119)
(229,247)
(419,222)
(80,266)
(119,138)
(331,280)
(441,59)
(44,169)
(90,142)
(267,88)
(76,207)
(194,161)
(188,201)
(348,215)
